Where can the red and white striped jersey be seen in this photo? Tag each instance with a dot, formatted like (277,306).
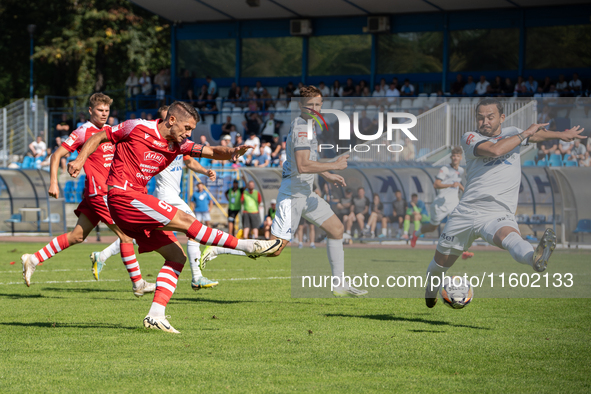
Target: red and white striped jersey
(97,165)
(142,153)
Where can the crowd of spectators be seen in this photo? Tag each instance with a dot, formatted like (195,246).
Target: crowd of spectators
(505,87)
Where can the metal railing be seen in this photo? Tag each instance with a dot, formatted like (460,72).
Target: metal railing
(20,123)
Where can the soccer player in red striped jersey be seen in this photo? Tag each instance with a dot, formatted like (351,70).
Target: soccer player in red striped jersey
(144,148)
(93,208)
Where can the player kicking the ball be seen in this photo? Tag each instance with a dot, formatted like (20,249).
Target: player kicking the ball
(168,188)
(145,148)
(449,183)
(296,195)
(487,208)
(93,207)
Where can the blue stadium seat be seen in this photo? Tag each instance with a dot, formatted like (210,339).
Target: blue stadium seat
(14,218)
(28,162)
(553,162)
(571,163)
(529,163)
(542,163)
(69,192)
(583,227)
(80,188)
(554,156)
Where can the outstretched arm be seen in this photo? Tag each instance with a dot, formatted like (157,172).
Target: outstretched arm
(566,135)
(88,149)
(54,165)
(198,168)
(223,152)
(307,166)
(506,145)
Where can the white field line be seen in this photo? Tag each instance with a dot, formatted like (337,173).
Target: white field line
(126,280)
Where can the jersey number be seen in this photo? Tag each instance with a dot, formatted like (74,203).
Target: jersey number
(165,206)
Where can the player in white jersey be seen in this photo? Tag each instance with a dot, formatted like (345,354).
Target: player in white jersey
(296,195)
(168,189)
(487,208)
(448,183)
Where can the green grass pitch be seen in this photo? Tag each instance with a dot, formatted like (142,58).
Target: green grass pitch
(69,333)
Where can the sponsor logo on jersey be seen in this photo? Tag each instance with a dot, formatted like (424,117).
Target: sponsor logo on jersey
(108,147)
(446,237)
(154,156)
(159,144)
(469,139)
(71,139)
(495,161)
(146,135)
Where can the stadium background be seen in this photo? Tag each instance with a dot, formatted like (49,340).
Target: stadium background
(427,42)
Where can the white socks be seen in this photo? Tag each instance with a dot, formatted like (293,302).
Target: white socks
(110,250)
(194,253)
(384,231)
(433,270)
(336,256)
(157,310)
(521,251)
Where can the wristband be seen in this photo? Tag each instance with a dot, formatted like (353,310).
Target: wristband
(522,138)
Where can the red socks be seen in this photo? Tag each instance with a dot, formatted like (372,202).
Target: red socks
(166,282)
(131,264)
(208,236)
(55,246)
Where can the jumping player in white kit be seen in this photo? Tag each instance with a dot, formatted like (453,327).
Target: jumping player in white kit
(487,208)
(296,195)
(168,188)
(448,183)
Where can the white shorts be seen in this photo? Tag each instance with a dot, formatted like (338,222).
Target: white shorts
(176,201)
(466,225)
(290,209)
(203,216)
(440,210)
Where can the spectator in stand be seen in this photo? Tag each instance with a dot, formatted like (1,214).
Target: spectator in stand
(233,196)
(359,211)
(562,85)
(64,127)
(255,142)
(252,123)
(131,84)
(546,85)
(565,148)
(576,85)
(283,153)
(520,86)
(398,212)
(457,87)
(343,206)
(226,141)
(201,204)
(253,104)
(276,150)
(267,99)
(245,94)
(290,89)
(336,90)
(546,148)
(508,87)
(409,151)
(228,127)
(212,87)
(378,92)
(383,85)
(545,116)
(258,89)
(186,84)
(365,92)
(296,92)
(281,98)
(203,140)
(251,220)
(349,89)
(191,99)
(417,212)
(149,116)
(357,91)
(210,106)
(81,119)
(395,82)
(38,147)
(271,128)
(64,159)
(531,86)
(160,85)
(469,87)
(407,89)
(496,87)
(392,92)
(482,86)
(323,89)
(232,93)
(362,84)
(202,97)
(578,152)
(264,159)
(552,91)
(146,83)
(377,215)
(269,219)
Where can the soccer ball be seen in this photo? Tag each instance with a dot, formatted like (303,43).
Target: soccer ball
(456,292)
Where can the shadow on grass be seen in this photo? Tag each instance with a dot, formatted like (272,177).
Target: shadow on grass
(434,331)
(23,296)
(222,302)
(80,290)
(68,325)
(407,319)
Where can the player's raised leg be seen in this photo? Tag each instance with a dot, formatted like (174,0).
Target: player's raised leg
(522,251)
(99,259)
(30,261)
